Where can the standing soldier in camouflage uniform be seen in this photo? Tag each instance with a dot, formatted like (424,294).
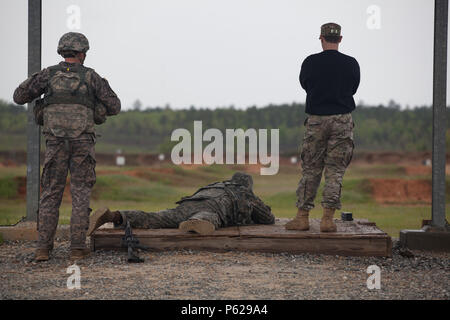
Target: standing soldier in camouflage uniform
(75,97)
(330,80)
(218,205)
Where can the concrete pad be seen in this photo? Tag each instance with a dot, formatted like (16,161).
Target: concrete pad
(425,240)
(28,231)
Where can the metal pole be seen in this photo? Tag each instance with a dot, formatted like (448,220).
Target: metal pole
(33,130)
(439,111)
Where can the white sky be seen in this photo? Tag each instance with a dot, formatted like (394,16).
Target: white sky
(211,53)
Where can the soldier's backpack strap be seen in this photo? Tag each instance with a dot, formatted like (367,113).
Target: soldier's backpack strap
(52,72)
(72,97)
(215,185)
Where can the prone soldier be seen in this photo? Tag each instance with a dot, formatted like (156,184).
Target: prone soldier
(75,98)
(221,204)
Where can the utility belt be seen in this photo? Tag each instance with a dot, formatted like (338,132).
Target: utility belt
(83,136)
(315,119)
(98,108)
(67,141)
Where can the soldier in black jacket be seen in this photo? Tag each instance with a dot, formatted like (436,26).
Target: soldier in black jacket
(330,79)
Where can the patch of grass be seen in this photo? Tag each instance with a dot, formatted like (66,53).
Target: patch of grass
(127,188)
(375,171)
(8,188)
(281,200)
(10,142)
(217,170)
(11,211)
(13,171)
(447,190)
(356,191)
(105,147)
(1,238)
(203,175)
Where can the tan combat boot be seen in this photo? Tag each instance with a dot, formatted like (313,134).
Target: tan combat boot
(327,224)
(300,222)
(78,254)
(100,217)
(41,255)
(196,225)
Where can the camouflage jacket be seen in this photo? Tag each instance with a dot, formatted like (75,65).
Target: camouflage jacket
(234,203)
(38,83)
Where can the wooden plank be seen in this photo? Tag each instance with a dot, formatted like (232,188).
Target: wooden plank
(347,247)
(352,239)
(345,229)
(28,231)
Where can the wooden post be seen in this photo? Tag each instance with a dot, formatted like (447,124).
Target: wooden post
(439,111)
(33,130)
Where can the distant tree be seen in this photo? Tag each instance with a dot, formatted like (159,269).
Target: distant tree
(137,105)
(393,105)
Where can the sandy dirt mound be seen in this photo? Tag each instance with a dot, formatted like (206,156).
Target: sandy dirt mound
(417,170)
(401,191)
(251,168)
(21,186)
(190,166)
(8,163)
(139,173)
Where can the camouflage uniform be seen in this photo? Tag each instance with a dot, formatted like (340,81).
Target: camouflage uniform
(224,204)
(70,139)
(327,144)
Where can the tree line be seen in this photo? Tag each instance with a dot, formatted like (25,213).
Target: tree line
(377,128)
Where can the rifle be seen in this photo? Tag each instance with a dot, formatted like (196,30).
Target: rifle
(132,243)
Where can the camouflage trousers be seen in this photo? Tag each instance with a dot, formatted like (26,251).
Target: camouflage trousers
(61,156)
(328,149)
(171,218)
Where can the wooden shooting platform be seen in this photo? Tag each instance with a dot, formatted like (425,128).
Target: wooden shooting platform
(355,238)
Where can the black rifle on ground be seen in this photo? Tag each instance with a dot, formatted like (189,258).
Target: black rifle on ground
(132,243)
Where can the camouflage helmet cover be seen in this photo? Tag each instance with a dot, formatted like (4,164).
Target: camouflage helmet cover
(73,41)
(243,179)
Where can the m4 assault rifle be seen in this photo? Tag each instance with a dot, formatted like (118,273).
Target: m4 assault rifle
(132,243)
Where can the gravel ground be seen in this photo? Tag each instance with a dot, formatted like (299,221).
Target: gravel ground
(230,275)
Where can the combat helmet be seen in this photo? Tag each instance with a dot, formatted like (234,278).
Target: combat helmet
(243,179)
(73,42)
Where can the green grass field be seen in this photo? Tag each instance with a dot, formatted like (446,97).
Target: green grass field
(158,187)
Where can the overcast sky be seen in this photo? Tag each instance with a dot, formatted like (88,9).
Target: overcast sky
(212,53)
